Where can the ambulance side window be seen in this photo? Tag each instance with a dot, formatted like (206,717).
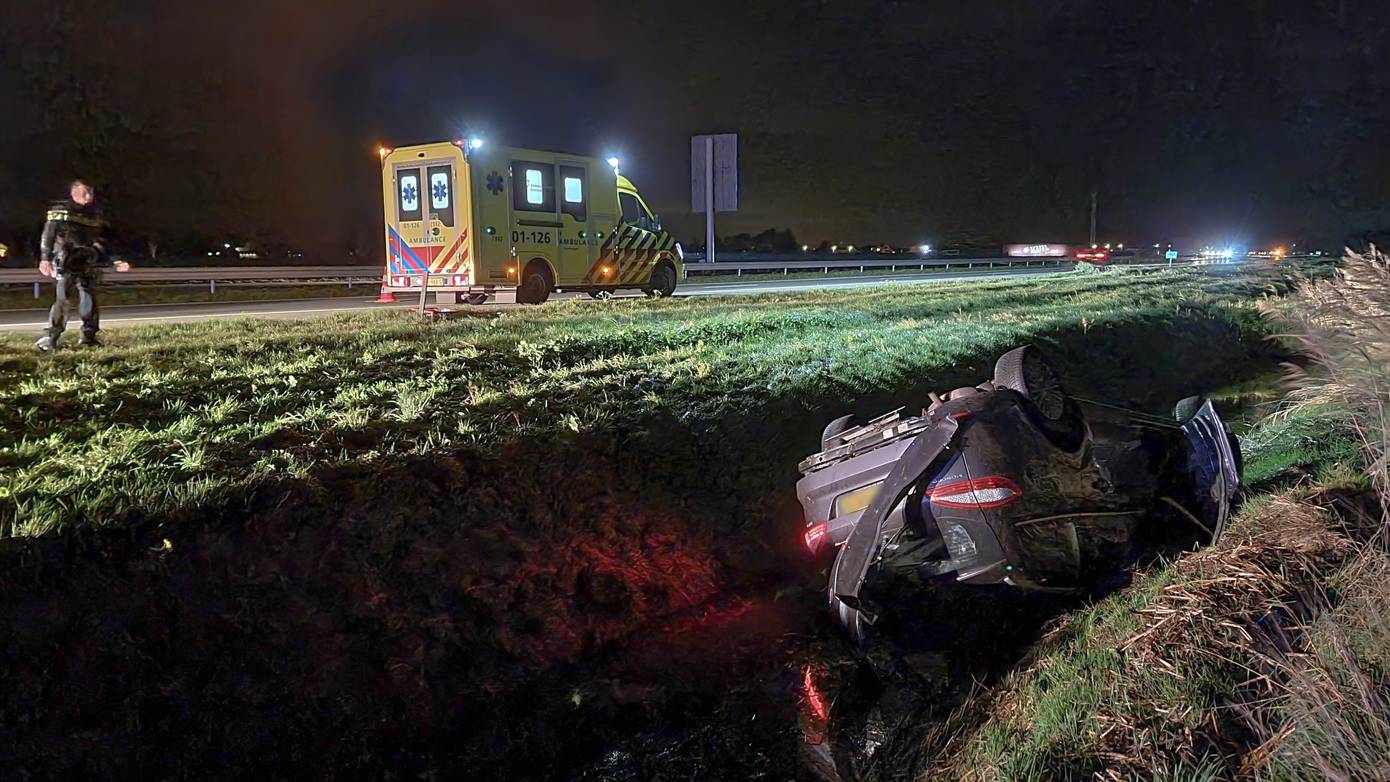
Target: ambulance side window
(441,194)
(533,187)
(408,194)
(573,201)
(632,209)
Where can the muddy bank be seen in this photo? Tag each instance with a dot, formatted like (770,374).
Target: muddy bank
(603,606)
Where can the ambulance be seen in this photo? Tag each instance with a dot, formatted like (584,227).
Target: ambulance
(472,222)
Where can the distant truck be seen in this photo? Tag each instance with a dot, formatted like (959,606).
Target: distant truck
(478,223)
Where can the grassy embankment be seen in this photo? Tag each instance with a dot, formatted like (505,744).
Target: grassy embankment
(1267,656)
(165,417)
(247,534)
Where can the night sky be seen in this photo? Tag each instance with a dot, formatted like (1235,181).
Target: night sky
(984,122)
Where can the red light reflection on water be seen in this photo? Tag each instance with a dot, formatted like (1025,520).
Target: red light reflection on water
(815,713)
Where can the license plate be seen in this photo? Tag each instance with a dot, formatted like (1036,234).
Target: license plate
(437,281)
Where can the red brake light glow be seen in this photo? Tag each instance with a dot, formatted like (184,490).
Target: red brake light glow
(991,491)
(815,537)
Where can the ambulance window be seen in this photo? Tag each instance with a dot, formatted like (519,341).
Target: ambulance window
(632,209)
(534,189)
(408,189)
(442,194)
(573,203)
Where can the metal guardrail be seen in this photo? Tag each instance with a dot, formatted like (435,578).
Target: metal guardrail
(269,276)
(865,263)
(218,273)
(348,275)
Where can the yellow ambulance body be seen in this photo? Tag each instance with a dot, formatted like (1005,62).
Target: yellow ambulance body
(479,223)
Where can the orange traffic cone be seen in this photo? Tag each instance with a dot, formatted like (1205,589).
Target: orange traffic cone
(386,296)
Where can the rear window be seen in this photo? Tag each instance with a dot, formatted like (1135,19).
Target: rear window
(408,194)
(441,194)
(533,186)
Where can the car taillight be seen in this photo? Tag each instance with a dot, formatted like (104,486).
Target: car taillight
(991,491)
(815,537)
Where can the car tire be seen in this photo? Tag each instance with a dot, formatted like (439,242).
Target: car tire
(475,299)
(842,424)
(662,283)
(1027,372)
(1057,415)
(535,286)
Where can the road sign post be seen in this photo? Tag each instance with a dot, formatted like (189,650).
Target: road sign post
(709,199)
(713,179)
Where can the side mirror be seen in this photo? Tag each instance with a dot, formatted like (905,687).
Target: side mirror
(645,223)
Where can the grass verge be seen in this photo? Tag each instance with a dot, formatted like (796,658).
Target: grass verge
(167,417)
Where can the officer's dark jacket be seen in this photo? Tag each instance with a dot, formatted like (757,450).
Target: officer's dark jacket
(74,238)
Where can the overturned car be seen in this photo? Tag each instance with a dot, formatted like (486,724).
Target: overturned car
(1010,482)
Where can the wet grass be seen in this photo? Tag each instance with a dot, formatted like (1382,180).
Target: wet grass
(168,416)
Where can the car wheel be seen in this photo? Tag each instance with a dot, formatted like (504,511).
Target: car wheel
(842,424)
(475,298)
(1057,415)
(535,289)
(1025,371)
(662,283)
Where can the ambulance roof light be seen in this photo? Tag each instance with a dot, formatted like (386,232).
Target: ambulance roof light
(475,143)
(613,161)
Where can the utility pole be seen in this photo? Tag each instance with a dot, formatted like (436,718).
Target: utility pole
(1093,217)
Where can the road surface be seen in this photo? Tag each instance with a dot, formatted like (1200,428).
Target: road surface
(143,314)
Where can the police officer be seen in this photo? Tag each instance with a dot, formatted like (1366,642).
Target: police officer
(73,253)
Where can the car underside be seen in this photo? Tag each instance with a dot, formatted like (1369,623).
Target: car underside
(1012,481)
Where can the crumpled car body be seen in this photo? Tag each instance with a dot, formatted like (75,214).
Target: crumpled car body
(1009,482)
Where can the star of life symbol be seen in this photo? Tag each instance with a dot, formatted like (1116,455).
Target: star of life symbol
(494,183)
(410,194)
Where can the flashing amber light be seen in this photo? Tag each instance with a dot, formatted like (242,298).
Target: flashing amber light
(1280,252)
(382,152)
(604,269)
(511,270)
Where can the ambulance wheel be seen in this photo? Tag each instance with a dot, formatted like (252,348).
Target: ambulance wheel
(475,299)
(662,283)
(535,286)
